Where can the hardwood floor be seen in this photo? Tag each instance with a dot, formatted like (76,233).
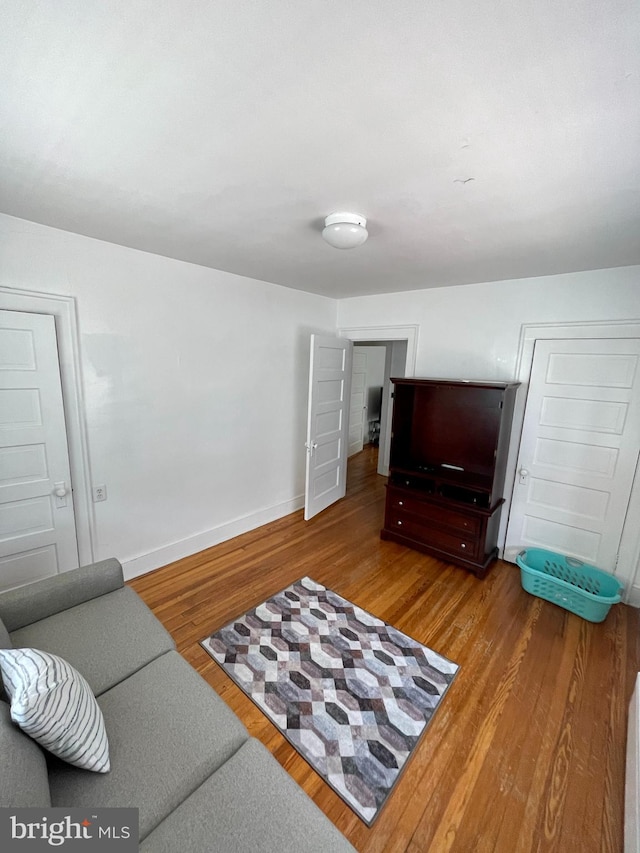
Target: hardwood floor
(525,753)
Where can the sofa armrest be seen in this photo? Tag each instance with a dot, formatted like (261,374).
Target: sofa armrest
(36,601)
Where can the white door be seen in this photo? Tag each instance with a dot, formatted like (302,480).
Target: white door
(37,524)
(327,425)
(357,410)
(578,451)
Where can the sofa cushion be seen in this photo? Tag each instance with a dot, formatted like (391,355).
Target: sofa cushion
(53,703)
(250,805)
(168,731)
(23,780)
(106,639)
(34,601)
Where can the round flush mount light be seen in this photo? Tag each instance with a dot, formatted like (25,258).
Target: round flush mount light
(345,230)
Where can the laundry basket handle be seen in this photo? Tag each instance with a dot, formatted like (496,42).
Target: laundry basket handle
(572,561)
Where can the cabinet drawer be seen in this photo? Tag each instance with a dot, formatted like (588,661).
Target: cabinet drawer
(406,524)
(400,502)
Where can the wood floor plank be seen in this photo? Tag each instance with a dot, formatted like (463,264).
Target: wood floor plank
(525,752)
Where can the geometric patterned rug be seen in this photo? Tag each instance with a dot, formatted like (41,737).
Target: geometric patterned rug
(352,694)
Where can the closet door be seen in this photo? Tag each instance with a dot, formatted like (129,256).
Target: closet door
(579,449)
(37,521)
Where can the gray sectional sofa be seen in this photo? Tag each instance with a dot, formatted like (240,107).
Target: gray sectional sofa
(178,753)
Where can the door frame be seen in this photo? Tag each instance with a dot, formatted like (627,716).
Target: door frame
(64,311)
(362,334)
(629,553)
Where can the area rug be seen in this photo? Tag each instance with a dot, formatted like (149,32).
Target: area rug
(351,693)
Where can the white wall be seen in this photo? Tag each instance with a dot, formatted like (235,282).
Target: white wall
(195,389)
(472,331)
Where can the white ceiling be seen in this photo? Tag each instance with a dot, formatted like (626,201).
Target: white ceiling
(483,139)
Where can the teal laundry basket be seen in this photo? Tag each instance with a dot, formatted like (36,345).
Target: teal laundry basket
(583,589)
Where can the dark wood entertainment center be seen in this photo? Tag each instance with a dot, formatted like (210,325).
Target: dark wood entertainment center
(449,445)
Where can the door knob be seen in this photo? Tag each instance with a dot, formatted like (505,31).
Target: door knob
(60,491)
(523,475)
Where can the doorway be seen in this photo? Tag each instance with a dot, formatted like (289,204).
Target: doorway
(367,381)
(395,361)
(329,401)
(400,344)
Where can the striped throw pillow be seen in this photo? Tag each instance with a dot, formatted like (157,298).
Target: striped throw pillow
(53,703)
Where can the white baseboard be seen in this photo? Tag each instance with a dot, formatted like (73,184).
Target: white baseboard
(634,596)
(144,563)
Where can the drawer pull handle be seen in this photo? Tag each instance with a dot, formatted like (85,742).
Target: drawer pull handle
(462,545)
(399,524)
(400,503)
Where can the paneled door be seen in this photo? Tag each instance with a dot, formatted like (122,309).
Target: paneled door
(37,523)
(327,423)
(578,451)
(357,411)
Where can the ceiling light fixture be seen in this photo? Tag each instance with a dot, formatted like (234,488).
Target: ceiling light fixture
(345,230)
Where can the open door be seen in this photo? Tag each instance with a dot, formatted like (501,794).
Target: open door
(327,425)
